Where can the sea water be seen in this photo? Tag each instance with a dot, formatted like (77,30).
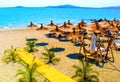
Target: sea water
(11,18)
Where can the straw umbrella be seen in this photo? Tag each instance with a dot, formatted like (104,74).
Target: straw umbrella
(32,25)
(51,24)
(74,35)
(82,23)
(65,25)
(104,23)
(57,31)
(79,27)
(42,28)
(96,27)
(113,28)
(95,31)
(69,23)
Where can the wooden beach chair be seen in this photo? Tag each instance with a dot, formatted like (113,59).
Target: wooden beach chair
(100,53)
(106,56)
(87,53)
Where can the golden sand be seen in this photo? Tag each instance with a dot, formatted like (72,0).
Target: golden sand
(109,73)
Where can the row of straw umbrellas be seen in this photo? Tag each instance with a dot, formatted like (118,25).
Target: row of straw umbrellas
(95,26)
(81,28)
(68,29)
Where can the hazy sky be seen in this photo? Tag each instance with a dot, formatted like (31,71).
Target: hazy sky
(38,3)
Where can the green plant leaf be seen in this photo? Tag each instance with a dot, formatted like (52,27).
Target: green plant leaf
(50,56)
(20,72)
(85,73)
(55,60)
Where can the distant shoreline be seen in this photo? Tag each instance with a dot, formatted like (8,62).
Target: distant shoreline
(68,6)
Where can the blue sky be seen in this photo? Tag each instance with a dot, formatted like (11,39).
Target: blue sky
(39,3)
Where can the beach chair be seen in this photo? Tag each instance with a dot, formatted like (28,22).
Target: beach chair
(100,53)
(108,51)
(87,53)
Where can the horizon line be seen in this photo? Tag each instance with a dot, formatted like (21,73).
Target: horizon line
(56,5)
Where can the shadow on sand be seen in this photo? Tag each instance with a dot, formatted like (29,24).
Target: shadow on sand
(31,39)
(41,44)
(51,36)
(78,44)
(64,40)
(57,49)
(74,56)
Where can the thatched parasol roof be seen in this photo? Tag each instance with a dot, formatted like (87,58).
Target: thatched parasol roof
(42,28)
(51,24)
(82,23)
(113,28)
(73,34)
(57,30)
(65,25)
(69,23)
(79,27)
(32,25)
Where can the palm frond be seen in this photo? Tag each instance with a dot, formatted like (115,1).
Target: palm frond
(50,56)
(7,52)
(93,72)
(30,46)
(76,67)
(93,78)
(28,74)
(74,76)
(85,73)
(6,59)
(21,72)
(34,66)
(10,55)
(79,72)
(45,54)
(55,60)
(23,80)
(34,80)
(88,67)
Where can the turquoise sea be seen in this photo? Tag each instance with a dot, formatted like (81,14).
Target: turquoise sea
(20,17)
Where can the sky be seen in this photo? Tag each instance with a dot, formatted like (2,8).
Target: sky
(41,3)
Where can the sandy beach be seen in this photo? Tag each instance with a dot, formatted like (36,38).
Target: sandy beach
(109,73)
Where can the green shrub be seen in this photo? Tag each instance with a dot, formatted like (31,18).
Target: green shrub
(85,73)
(50,56)
(30,46)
